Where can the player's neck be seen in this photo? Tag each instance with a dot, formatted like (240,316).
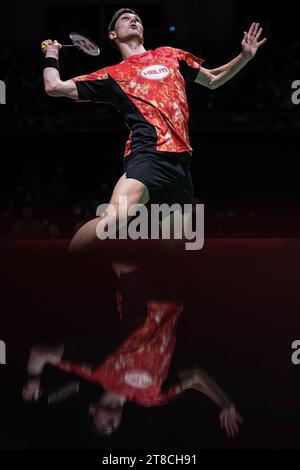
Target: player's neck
(131,48)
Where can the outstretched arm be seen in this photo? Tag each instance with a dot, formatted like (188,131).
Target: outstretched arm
(216,77)
(197,379)
(40,355)
(54,86)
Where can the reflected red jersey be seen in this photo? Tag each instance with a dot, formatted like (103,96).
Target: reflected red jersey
(148,89)
(139,367)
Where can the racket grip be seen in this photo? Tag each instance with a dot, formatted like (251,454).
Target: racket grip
(44,45)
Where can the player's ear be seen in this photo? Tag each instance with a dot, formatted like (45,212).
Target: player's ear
(112,35)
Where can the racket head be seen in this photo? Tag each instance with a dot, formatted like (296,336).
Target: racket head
(84,44)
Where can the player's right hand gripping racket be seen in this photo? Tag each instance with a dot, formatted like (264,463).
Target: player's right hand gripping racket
(82,43)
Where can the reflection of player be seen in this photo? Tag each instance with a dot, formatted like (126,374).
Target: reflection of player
(148,89)
(135,371)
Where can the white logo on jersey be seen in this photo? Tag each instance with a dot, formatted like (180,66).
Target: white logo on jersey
(156,72)
(138,379)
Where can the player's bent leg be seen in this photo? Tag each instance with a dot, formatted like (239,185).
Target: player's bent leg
(126,193)
(124,267)
(86,237)
(172,232)
(136,191)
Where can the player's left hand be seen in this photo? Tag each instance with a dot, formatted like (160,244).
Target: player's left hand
(230,420)
(251,42)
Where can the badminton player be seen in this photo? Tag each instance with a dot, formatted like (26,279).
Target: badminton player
(148,88)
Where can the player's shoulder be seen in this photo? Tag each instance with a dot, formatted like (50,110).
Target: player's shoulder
(101,74)
(110,68)
(167,50)
(172,52)
(119,67)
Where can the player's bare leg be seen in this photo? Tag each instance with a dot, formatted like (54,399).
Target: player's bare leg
(124,267)
(126,193)
(173,225)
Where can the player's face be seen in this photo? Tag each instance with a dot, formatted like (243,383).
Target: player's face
(106,420)
(127,27)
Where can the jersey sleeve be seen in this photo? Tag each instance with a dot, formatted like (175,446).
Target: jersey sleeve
(171,394)
(189,65)
(95,87)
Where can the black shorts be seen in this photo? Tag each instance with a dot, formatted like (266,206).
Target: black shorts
(167,175)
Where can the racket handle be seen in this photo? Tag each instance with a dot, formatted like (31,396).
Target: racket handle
(44,45)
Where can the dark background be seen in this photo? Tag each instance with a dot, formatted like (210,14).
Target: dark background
(62,159)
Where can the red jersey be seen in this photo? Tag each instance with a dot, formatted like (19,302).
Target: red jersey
(148,89)
(139,367)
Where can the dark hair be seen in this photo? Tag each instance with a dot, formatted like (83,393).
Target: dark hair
(117,15)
